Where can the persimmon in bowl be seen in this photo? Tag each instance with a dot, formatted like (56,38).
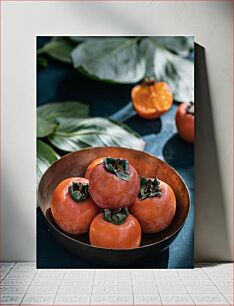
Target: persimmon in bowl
(75,165)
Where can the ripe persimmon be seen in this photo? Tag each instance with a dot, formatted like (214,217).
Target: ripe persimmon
(115,230)
(185,121)
(72,207)
(151,99)
(114,183)
(92,165)
(155,206)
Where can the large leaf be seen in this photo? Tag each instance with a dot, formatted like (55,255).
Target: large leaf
(58,48)
(110,59)
(74,134)
(177,72)
(45,157)
(78,39)
(181,45)
(44,127)
(128,60)
(51,111)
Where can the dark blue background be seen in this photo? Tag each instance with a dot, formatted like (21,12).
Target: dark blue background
(61,82)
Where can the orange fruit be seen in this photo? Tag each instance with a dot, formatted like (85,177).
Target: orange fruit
(155,213)
(185,121)
(72,207)
(115,236)
(151,99)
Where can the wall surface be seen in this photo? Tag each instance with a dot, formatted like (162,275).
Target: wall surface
(211,24)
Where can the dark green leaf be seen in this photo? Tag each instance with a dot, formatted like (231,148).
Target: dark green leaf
(58,48)
(45,157)
(44,127)
(110,59)
(51,111)
(74,134)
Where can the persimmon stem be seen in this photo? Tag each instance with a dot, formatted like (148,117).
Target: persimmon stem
(118,167)
(78,191)
(117,216)
(149,188)
(149,80)
(190,108)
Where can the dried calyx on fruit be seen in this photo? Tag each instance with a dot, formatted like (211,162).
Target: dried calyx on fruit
(117,216)
(117,166)
(190,108)
(149,81)
(78,191)
(149,188)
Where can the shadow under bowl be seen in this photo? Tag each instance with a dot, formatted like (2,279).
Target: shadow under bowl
(75,164)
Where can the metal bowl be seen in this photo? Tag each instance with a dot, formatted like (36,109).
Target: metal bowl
(75,164)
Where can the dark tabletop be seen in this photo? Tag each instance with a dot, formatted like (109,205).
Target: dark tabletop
(61,82)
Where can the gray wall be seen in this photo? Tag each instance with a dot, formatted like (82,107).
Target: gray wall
(211,24)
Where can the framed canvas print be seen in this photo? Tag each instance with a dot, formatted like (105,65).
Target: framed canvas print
(115,152)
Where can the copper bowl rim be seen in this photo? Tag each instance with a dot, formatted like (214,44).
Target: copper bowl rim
(129,249)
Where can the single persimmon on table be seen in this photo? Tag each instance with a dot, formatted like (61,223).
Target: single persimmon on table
(185,121)
(151,99)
